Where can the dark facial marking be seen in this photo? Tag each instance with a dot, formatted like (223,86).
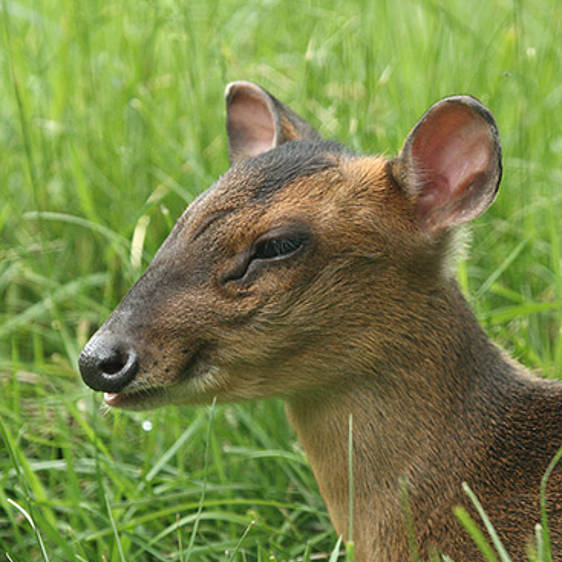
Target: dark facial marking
(287,162)
(219,214)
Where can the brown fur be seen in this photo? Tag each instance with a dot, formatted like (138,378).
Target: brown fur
(367,321)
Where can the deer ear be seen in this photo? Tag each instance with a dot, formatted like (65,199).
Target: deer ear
(256,122)
(450,164)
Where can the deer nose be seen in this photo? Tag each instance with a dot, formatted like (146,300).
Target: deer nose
(108,365)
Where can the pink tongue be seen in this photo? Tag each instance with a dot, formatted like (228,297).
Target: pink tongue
(109,397)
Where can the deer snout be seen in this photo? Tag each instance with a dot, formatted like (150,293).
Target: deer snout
(108,364)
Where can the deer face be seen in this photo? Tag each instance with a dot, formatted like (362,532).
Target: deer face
(236,302)
(291,270)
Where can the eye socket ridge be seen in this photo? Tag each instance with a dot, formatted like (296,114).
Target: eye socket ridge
(276,245)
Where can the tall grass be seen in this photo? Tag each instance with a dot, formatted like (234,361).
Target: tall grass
(111,121)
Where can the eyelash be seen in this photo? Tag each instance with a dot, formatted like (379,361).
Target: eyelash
(276,248)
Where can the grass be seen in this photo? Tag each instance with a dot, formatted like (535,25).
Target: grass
(111,121)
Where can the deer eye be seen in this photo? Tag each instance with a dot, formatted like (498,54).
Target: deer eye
(276,248)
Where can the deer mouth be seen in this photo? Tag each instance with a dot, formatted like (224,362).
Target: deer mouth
(141,399)
(148,396)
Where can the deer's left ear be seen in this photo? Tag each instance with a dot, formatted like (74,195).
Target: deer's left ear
(450,164)
(257,122)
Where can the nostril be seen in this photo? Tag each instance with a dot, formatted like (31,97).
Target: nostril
(108,365)
(113,365)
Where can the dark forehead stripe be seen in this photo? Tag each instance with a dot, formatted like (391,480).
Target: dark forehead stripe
(277,167)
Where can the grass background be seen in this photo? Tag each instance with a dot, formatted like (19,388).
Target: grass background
(111,121)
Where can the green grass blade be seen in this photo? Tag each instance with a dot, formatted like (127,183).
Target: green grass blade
(178,444)
(232,557)
(408,521)
(504,557)
(498,272)
(544,516)
(114,527)
(334,555)
(475,534)
(349,547)
(33,526)
(204,488)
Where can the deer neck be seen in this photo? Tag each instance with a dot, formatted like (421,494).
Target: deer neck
(417,417)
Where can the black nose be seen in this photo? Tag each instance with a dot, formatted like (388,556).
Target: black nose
(108,365)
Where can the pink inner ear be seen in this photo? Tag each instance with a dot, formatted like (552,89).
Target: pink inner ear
(251,122)
(452,153)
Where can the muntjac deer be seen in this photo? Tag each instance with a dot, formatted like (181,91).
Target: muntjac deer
(312,274)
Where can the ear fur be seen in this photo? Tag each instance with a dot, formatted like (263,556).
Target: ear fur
(450,164)
(257,122)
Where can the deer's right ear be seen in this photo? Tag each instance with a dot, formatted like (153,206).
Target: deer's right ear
(257,122)
(450,164)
